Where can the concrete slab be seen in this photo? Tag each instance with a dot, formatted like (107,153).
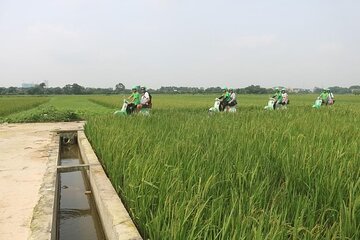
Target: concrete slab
(26,160)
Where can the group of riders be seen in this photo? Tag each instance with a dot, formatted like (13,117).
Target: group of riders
(140,98)
(227,99)
(280,99)
(327,97)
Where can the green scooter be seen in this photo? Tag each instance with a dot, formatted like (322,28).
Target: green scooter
(317,103)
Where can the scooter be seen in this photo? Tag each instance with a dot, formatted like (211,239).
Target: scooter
(317,103)
(273,105)
(124,111)
(231,109)
(270,104)
(216,107)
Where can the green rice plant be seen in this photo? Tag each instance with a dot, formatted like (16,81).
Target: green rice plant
(9,105)
(254,174)
(160,101)
(79,104)
(182,174)
(59,108)
(201,101)
(43,114)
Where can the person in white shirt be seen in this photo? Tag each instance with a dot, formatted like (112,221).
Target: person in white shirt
(331,99)
(285,97)
(232,101)
(145,100)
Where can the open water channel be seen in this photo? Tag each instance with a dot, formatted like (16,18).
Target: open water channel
(77,214)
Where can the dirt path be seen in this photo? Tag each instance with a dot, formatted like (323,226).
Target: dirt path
(24,153)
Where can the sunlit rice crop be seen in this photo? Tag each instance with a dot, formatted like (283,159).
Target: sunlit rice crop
(10,105)
(291,174)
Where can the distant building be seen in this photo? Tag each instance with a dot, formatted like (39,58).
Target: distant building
(28,85)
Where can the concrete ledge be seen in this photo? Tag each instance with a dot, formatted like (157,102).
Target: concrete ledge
(29,154)
(42,226)
(116,221)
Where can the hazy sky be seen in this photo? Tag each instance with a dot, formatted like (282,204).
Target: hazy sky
(183,43)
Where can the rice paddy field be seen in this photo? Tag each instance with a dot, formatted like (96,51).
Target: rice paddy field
(9,105)
(254,174)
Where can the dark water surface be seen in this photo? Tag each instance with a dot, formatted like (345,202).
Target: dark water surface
(77,215)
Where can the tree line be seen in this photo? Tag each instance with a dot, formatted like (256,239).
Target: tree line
(76,89)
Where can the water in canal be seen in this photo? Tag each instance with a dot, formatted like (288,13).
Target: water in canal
(77,214)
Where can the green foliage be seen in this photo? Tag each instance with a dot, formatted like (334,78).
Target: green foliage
(291,174)
(59,108)
(203,102)
(44,114)
(356,91)
(78,104)
(14,104)
(254,174)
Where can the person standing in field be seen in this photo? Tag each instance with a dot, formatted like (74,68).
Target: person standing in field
(232,101)
(134,100)
(145,101)
(225,98)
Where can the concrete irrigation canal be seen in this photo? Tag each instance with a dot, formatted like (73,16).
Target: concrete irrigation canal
(53,186)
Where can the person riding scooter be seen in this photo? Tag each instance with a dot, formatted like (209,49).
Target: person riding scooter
(224,99)
(277,97)
(285,97)
(145,101)
(324,95)
(331,98)
(134,100)
(232,101)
